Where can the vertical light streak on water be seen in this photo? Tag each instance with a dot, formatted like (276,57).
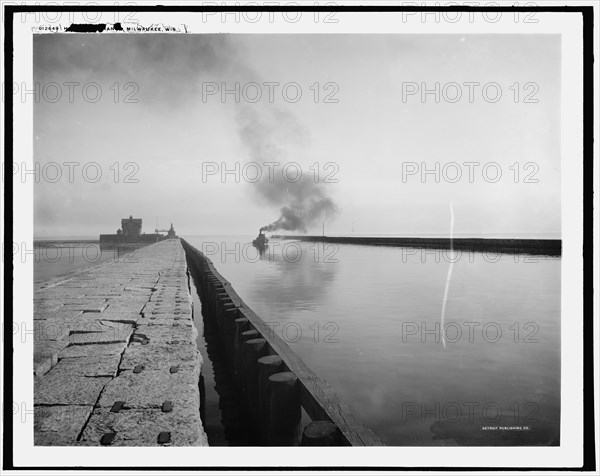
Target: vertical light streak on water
(448,276)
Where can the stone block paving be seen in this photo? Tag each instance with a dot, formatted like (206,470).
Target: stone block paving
(115,357)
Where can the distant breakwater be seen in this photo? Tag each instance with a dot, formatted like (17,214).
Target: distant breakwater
(496,245)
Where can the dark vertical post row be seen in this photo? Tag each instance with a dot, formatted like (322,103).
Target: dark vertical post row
(270,390)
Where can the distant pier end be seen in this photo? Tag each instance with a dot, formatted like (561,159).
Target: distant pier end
(131,234)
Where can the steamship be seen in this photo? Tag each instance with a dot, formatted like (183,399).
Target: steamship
(261,240)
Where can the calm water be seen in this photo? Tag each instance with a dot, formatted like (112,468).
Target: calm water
(59,258)
(369,321)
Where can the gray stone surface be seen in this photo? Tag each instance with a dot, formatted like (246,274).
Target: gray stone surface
(45,355)
(166,320)
(90,334)
(158,357)
(92,350)
(102,332)
(169,335)
(165,307)
(131,317)
(92,366)
(62,388)
(52,329)
(150,388)
(141,427)
(59,425)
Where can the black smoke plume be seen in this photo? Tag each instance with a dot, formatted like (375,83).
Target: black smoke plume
(303,203)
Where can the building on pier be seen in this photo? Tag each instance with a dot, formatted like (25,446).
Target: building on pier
(132,227)
(130,234)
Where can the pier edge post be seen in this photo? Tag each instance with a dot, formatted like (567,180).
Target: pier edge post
(320,433)
(267,366)
(285,412)
(253,349)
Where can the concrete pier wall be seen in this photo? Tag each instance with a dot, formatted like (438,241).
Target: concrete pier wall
(115,358)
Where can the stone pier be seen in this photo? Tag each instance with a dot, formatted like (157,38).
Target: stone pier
(115,357)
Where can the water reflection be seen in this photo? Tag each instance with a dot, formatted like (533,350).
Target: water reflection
(283,277)
(261,249)
(294,280)
(382,348)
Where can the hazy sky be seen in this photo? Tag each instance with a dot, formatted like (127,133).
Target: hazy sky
(372,133)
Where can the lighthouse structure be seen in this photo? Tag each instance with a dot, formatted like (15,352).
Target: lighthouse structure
(171,233)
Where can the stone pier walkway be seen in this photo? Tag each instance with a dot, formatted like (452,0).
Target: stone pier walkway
(115,357)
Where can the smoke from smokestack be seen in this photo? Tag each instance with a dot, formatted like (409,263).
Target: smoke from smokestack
(299,216)
(303,202)
(268,131)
